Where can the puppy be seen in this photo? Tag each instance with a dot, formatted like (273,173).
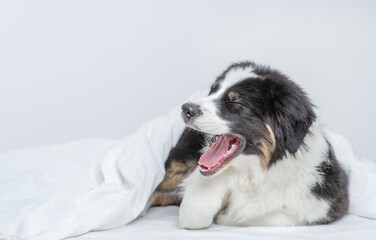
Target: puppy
(262,157)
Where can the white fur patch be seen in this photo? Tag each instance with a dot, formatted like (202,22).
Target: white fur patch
(234,76)
(209,120)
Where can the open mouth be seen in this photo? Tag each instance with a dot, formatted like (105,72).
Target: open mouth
(222,149)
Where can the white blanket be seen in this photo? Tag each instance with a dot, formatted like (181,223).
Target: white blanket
(55,192)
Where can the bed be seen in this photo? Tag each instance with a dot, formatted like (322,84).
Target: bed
(161,223)
(96,189)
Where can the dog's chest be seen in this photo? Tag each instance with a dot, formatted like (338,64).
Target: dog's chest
(263,197)
(254,194)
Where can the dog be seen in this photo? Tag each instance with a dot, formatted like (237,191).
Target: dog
(263,159)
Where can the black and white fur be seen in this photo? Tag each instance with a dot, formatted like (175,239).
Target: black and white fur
(301,183)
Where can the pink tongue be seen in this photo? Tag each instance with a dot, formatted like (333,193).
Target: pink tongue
(215,154)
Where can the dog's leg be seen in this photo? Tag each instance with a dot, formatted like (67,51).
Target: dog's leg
(181,161)
(162,199)
(202,200)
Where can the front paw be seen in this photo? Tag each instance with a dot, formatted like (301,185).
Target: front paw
(224,219)
(194,220)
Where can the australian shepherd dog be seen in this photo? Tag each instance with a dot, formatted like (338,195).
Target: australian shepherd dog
(253,154)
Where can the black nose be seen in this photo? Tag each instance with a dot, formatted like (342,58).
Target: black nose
(190,111)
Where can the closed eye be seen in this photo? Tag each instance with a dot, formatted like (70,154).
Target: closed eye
(235,104)
(232,102)
(229,101)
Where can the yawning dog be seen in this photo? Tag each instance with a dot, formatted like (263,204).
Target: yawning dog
(262,157)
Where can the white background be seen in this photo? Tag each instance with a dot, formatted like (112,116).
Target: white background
(79,69)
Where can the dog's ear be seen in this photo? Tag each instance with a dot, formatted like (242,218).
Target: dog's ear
(292,116)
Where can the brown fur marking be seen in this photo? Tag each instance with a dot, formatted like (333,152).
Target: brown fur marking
(233,96)
(267,147)
(175,174)
(167,191)
(279,117)
(165,198)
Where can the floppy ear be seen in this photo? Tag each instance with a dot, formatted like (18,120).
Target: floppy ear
(293,115)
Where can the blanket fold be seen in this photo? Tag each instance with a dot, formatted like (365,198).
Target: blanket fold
(66,190)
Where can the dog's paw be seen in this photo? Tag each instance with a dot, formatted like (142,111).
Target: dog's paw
(194,221)
(223,219)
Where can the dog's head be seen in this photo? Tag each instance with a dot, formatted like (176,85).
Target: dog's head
(251,110)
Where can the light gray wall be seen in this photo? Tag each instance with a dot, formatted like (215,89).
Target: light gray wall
(78,69)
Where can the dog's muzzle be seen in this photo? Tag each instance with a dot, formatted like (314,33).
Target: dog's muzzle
(190,111)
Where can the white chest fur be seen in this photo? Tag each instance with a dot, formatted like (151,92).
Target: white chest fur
(244,194)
